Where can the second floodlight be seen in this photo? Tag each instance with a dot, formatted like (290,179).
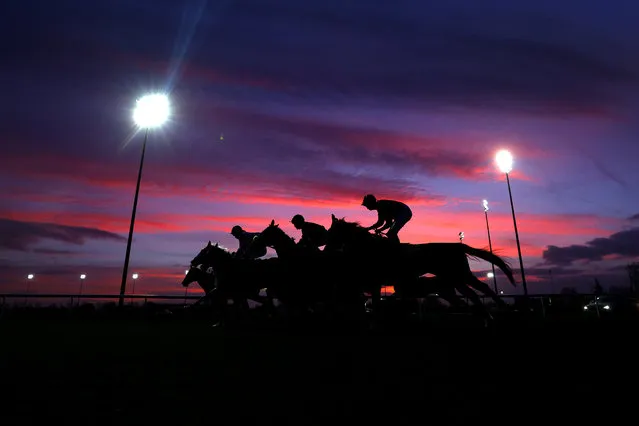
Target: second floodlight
(151,111)
(504,160)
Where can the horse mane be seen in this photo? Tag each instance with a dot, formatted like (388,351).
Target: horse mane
(273,227)
(223,249)
(357,227)
(281,231)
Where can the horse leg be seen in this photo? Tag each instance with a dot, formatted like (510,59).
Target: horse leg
(376,297)
(449,295)
(241,307)
(219,304)
(269,305)
(482,287)
(478,306)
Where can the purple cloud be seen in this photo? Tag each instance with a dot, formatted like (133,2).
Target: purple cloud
(623,243)
(22,236)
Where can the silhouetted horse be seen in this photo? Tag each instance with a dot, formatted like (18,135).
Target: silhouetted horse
(283,244)
(334,272)
(285,247)
(204,275)
(205,278)
(238,277)
(447,261)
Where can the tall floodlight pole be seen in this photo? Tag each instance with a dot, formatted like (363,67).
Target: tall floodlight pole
(151,111)
(490,243)
(504,161)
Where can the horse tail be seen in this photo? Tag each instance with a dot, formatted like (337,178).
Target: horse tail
(491,258)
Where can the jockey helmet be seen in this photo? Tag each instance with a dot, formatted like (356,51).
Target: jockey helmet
(298,219)
(237,229)
(369,200)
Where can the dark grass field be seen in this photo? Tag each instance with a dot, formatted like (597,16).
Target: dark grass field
(183,371)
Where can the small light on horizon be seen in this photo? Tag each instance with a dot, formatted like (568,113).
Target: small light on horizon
(151,110)
(504,161)
(83,276)
(135,276)
(501,291)
(186,272)
(490,275)
(30,276)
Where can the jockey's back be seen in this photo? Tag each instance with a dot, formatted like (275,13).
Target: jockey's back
(391,209)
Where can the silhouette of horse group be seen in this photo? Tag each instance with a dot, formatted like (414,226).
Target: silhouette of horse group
(353,262)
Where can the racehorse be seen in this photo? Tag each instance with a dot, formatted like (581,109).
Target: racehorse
(237,277)
(205,278)
(333,271)
(204,275)
(285,247)
(448,261)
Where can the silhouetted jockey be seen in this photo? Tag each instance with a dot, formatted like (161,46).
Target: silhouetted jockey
(247,249)
(313,235)
(390,213)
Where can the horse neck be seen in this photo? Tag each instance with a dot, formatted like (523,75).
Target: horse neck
(284,245)
(207,282)
(366,241)
(219,261)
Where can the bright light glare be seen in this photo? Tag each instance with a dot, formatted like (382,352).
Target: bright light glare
(135,276)
(485,204)
(490,275)
(186,272)
(504,161)
(83,276)
(607,307)
(151,110)
(30,276)
(501,291)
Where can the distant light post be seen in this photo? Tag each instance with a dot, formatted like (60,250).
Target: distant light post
(135,278)
(490,243)
(28,280)
(82,278)
(151,111)
(504,161)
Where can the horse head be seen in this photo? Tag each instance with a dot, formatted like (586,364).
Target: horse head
(202,274)
(273,236)
(342,232)
(210,254)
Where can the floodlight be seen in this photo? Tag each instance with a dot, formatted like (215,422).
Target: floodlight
(504,161)
(151,110)
(490,275)
(186,272)
(135,276)
(83,276)
(485,204)
(30,276)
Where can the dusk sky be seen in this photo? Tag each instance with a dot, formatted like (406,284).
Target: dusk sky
(318,103)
